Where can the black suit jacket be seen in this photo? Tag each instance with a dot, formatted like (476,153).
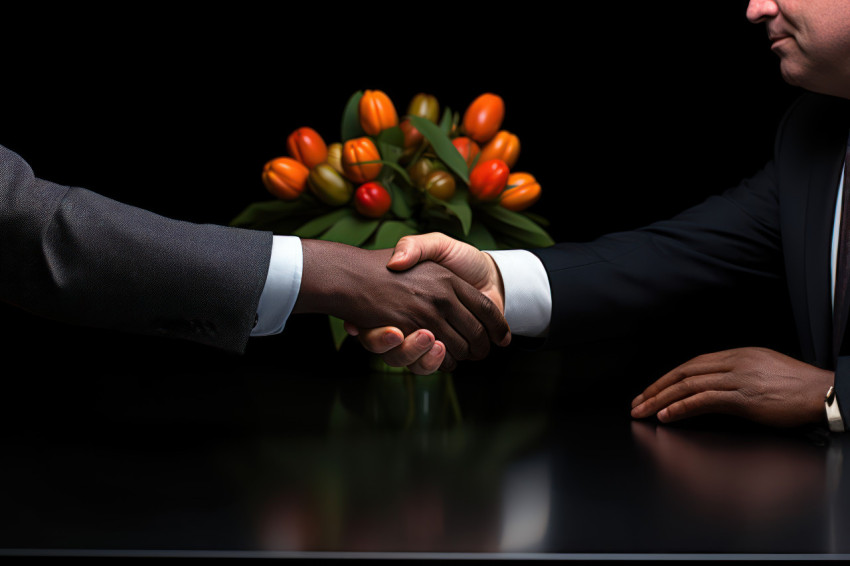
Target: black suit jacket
(777,224)
(70,254)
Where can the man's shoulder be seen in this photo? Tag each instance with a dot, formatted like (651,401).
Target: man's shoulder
(814,121)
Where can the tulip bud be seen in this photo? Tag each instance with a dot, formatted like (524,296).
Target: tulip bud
(413,139)
(307,146)
(504,146)
(440,184)
(488,178)
(483,117)
(425,106)
(377,112)
(522,191)
(285,177)
(327,184)
(467,148)
(419,171)
(356,153)
(335,157)
(372,200)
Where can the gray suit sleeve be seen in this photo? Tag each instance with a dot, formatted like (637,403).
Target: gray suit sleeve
(75,256)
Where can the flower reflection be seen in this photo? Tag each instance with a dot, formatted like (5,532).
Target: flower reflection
(400,469)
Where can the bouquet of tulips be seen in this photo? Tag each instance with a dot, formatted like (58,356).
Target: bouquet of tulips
(390,176)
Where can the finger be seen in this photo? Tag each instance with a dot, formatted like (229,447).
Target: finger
(486,312)
(462,335)
(380,340)
(700,365)
(411,250)
(449,363)
(351,329)
(415,345)
(429,362)
(688,387)
(701,404)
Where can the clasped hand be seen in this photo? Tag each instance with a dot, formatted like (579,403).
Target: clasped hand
(421,351)
(354,284)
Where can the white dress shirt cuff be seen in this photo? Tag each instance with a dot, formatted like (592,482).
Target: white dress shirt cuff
(528,298)
(282,285)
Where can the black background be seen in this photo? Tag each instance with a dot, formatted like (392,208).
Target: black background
(626,115)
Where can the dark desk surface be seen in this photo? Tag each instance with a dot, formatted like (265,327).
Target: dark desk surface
(517,456)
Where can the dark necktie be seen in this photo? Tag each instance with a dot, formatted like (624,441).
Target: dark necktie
(842,271)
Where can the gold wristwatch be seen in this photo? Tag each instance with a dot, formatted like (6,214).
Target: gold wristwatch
(833,415)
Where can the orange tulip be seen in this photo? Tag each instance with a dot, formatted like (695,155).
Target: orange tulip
(377,112)
(355,153)
(483,117)
(307,146)
(285,177)
(504,146)
(522,191)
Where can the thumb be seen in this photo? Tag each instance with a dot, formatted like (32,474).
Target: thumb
(411,250)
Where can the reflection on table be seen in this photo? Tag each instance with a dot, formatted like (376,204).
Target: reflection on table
(512,459)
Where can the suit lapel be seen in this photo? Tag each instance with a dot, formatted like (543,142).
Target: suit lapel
(824,176)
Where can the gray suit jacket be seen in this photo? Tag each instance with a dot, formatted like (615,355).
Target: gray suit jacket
(72,255)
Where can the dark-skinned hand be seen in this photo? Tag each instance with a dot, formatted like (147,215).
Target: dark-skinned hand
(757,384)
(420,351)
(355,285)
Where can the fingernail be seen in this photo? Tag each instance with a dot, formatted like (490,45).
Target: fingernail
(637,401)
(663,415)
(423,340)
(392,339)
(638,411)
(437,349)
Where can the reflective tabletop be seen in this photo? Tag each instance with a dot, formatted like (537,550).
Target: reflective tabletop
(526,454)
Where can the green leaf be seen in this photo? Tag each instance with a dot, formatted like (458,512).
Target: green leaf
(515,225)
(392,136)
(315,227)
(446,122)
(337,331)
(401,205)
(352,230)
(480,237)
(351,127)
(536,218)
(443,147)
(459,207)
(278,215)
(390,232)
(390,143)
(395,167)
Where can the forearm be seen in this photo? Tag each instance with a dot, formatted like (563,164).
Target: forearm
(335,278)
(76,256)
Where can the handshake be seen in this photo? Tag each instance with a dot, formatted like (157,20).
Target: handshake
(427,304)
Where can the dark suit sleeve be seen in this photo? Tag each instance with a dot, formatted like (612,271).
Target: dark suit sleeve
(72,255)
(612,286)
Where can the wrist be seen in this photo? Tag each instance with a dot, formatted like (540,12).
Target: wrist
(497,287)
